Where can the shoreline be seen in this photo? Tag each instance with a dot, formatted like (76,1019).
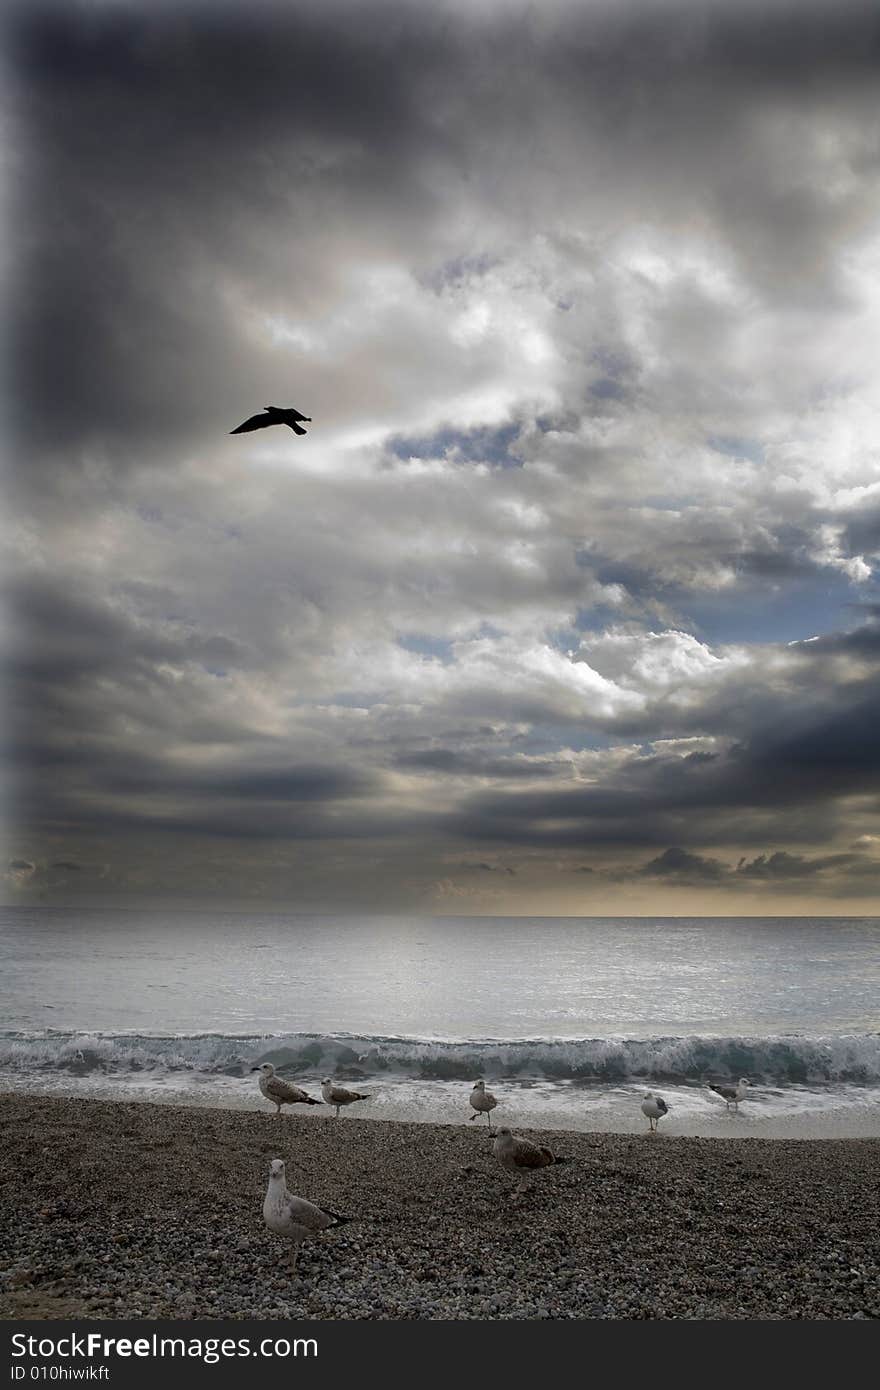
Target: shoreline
(768,1112)
(116,1209)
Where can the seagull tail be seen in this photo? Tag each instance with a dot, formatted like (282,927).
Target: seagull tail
(337,1219)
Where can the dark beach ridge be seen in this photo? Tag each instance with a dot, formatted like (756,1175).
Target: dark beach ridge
(119,1210)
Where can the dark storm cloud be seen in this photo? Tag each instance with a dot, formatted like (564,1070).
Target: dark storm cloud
(800,751)
(787,866)
(841,875)
(683,866)
(581,301)
(462,763)
(158,147)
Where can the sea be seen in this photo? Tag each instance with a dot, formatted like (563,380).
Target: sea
(568,1020)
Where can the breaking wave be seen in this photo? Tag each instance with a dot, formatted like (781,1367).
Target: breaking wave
(779,1060)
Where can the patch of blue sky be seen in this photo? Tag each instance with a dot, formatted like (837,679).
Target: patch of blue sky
(458,269)
(545,740)
(755,609)
(437,647)
(586,620)
(344,699)
(485,445)
(734,446)
(607,389)
(665,502)
(791,612)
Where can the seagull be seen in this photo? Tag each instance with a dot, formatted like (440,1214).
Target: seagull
(274,415)
(280,1091)
(654,1107)
(338,1095)
(291,1216)
(732,1095)
(520,1156)
(482,1101)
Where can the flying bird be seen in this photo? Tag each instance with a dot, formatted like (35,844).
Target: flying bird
(482,1102)
(520,1156)
(732,1095)
(654,1108)
(338,1095)
(282,1092)
(294,1217)
(274,415)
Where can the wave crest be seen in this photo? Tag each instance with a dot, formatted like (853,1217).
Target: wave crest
(780,1060)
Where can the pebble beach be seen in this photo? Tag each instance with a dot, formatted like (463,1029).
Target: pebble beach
(121,1210)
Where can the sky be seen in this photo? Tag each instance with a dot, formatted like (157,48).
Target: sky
(567,602)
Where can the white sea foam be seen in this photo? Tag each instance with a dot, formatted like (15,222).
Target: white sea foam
(777,1060)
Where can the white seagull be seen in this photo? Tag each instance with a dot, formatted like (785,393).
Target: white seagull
(282,1092)
(520,1156)
(338,1095)
(482,1101)
(732,1095)
(294,1217)
(654,1108)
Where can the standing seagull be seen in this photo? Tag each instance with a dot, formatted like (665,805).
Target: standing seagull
(732,1095)
(280,1091)
(338,1095)
(520,1156)
(274,415)
(291,1216)
(654,1107)
(482,1102)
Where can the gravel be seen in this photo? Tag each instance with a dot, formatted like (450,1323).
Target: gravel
(115,1210)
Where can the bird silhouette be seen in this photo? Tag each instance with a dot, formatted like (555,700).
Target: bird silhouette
(274,415)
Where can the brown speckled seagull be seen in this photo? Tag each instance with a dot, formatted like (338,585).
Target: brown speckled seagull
(338,1095)
(294,1217)
(282,1092)
(482,1101)
(521,1156)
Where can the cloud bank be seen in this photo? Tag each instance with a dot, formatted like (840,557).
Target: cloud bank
(567,601)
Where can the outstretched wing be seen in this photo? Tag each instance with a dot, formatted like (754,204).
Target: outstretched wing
(297,429)
(288,411)
(256,422)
